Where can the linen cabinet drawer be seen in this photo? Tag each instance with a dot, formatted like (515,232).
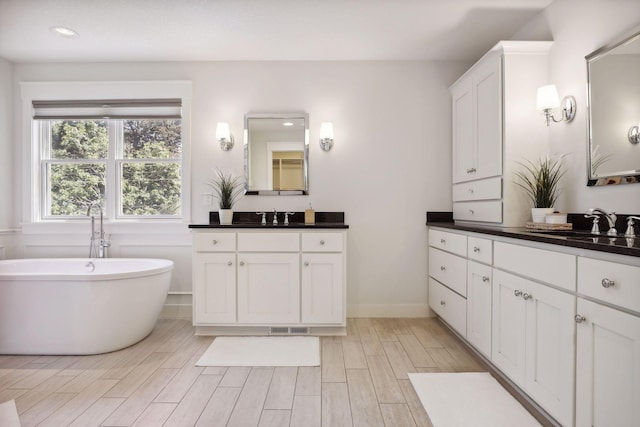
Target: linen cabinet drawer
(484,189)
(268,242)
(451,307)
(322,242)
(450,242)
(480,250)
(214,242)
(478,211)
(614,283)
(448,269)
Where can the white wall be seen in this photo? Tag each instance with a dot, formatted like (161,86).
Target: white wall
(578,27)
(391,161)
(6,156)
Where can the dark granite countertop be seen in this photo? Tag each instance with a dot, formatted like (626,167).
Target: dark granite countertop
(249,220)
(583,239)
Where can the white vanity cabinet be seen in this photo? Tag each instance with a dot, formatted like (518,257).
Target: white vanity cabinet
(495,123)
(250,281)
(608,344)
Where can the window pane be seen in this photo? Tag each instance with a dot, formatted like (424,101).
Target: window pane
(73,186)
(151,189)
(79,139)
(152,139)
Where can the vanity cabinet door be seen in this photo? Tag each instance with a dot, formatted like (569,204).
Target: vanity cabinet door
(322,288)
(479,298)
(463,150)
(269,288)
(214,288)
(607,367)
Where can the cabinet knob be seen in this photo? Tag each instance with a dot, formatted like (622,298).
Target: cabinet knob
(579,319)
(215,242)
(606,283)
(322,242)
(476,249)
(442,268)
(471,211)
(485,278)
(241,262)
(442,302)
(443,241)
(517,292)
(229,263)
(527,296)
(306,263)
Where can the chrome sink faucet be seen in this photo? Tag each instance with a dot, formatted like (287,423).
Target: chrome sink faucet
(275,217)
(99,244)
(630,230)
(611,218)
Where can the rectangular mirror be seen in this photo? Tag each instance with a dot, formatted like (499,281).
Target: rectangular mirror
(613,75)
(276,154)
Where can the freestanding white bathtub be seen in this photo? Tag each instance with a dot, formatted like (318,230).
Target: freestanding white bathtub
(68,306)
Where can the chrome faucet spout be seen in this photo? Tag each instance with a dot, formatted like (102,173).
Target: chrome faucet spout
(98,246)
(611,219)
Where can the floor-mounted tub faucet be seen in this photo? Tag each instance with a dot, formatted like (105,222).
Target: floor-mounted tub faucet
(98,246)
(611,218)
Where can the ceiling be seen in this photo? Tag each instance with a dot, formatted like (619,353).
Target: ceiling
(264,30)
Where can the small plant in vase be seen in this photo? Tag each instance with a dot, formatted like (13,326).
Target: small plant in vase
(540,181)
(227,189)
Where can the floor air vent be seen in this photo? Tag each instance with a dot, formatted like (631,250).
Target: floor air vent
(288,331)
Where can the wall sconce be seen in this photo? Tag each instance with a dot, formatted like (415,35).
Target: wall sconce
(224,136)
(548,98)
(634,134)
(326,136)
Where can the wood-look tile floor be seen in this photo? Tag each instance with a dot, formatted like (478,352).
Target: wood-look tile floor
(362,381)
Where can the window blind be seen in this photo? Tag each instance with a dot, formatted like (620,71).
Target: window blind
(108,109)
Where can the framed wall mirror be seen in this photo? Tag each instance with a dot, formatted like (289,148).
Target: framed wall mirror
(613,76)
(276,154)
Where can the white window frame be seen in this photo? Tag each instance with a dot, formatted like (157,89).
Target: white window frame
(32,171)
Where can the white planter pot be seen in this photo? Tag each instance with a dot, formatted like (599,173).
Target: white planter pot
(539,214)
(226,216)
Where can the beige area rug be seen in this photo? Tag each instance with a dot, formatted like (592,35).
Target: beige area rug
(9,414)
(262,351)
(469,399)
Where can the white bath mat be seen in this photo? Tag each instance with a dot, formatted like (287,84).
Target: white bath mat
(9,414)
(262,351)
(469,399)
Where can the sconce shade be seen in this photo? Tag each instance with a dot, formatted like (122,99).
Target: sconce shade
(547,98)
(634,134)
(326,130)
(223,135)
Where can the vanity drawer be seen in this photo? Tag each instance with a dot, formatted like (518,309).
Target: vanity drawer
(480,250)
(322,242)
(451,242)
(451,307)
(448,269)
(539,264)
(268,242)
(484,189)
(489,211)
(613,283)
(214,242)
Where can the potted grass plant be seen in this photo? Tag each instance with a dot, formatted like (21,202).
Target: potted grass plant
(540,182)
(227,189)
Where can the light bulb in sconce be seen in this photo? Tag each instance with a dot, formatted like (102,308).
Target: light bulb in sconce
(634,134)
(223,135)
(547,99)
(326,136)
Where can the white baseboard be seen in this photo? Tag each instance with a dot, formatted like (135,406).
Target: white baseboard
(389,310)
(176,311)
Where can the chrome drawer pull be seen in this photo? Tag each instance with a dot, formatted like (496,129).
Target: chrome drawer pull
(517,292)
(607,283)
(442,302)
(485,278)
(471,170)
(579,319)
(527,296)
(476,249)
(215,242)
(229,263)
(322,242)
(442,241)
(241,262)
(470,191)
(471,211)
(306,263)
(442,268)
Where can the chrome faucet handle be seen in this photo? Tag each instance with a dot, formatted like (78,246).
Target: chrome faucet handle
(264,217)
(275,217)
(595,229)
(631,232)
(286,217)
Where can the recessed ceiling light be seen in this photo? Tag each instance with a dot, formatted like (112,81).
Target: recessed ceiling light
(64,32)
(287,124)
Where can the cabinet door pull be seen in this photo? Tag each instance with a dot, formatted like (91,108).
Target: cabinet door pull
(471,170)
(517,292)
(442,268)
(442,302)
(443,241)
(580,319)
(485,279)
(215,242)
(471,211)
(322,242)
(476,249)
(241,262)
(527,296)
(306,263)
(606,283)
(229,263)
